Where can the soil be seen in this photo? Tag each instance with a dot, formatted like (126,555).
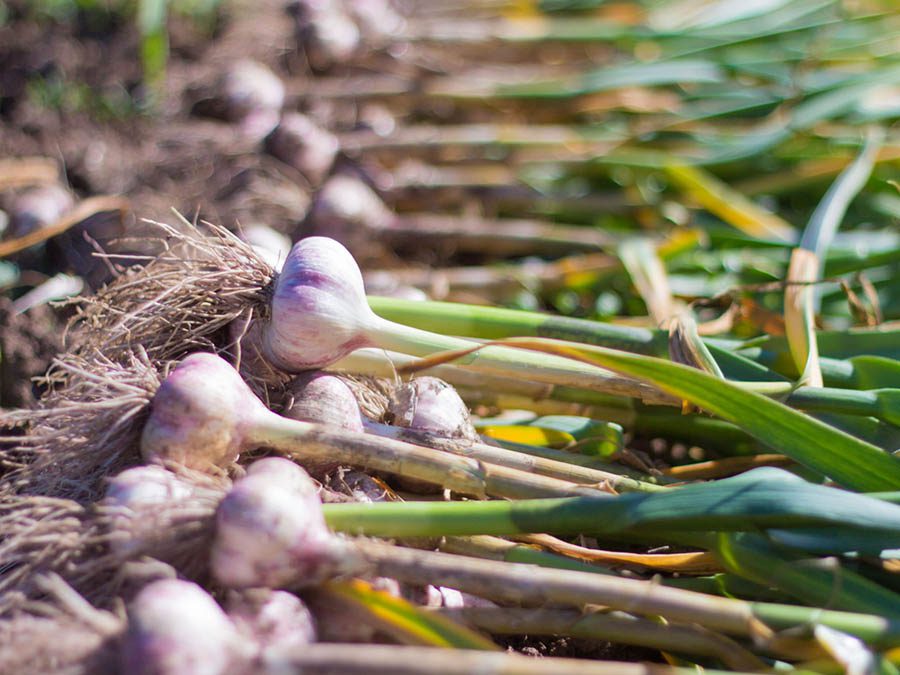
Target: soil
(160,159)
(27,344)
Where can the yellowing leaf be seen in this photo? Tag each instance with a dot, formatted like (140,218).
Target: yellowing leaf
(729,204)
(527,435)
(405,621)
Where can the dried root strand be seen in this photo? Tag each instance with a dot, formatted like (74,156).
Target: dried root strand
(44,536)
(373,394)
(63,636)
(180,301)
(86,427)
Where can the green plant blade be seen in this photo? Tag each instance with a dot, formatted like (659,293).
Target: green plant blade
(821,583)
(729,204)
(760,498)
(491,323)
(847,460)
(840,540)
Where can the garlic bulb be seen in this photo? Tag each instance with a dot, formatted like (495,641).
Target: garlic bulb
(176,628)
(348,210)
(319,308)
(270,532)
(138,493)
(38,207)
(200,415)
(431,405)
(275,621)
(251,95)
(302,144)
(327,35)
(323,398)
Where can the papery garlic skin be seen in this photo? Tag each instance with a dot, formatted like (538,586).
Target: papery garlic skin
(431,405)
(176,628)
(276,621)
(319,308)
(200,415)
(323,398)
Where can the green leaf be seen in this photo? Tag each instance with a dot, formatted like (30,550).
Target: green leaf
(847,460)
(679,71)
(754,500)
(729,204)
(822,583)
(526,435)
(593,437)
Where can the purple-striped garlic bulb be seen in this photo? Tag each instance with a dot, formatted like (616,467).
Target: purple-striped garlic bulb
(176,628)
(319,308)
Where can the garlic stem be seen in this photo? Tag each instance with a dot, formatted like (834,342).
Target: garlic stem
(506,361)
(517,460)
(320,314)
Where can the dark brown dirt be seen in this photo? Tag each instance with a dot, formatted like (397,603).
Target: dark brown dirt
(575,648)
(27,344)
(72,91)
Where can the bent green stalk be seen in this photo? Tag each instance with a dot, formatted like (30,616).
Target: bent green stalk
(491,323)
(756,499)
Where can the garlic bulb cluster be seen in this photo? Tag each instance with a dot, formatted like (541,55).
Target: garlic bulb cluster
(176,628)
